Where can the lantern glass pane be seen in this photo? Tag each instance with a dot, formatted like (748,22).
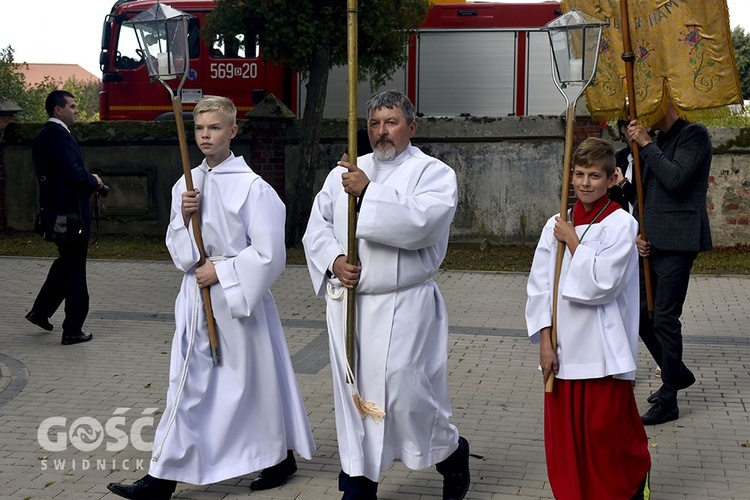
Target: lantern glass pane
(561,52)
(177,45)
(591,49)
(152,39)
(164,43)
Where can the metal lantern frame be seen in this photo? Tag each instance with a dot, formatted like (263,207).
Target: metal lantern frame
(574,40)
(162,33)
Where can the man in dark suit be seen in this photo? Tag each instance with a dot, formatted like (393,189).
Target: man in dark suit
(64,190)
(675,222)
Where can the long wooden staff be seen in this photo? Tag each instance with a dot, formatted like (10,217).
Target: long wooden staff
(351,250)
(570,123)
(212,337)
(629,58)
(365,408)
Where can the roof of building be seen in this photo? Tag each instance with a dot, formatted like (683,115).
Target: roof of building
(35,73)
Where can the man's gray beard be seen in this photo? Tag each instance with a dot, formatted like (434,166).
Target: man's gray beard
(384,153)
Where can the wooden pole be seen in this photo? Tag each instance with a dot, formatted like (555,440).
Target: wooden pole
(629,58)
(179,122)
(570,123)
(351,255)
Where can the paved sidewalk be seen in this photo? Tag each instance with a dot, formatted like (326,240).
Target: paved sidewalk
(115,386)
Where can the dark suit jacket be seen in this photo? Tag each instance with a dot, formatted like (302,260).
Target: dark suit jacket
(675,183)
(64,184)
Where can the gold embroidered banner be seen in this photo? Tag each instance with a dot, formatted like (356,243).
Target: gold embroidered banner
(683,47)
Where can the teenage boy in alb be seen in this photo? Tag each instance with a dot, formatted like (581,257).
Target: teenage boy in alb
(245,414)
(595,443)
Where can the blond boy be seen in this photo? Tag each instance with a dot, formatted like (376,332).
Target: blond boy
(245,414)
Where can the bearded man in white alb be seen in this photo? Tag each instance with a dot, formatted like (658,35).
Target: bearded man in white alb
(406,202)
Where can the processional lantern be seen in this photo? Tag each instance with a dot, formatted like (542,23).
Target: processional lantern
(162,33)
(574,39)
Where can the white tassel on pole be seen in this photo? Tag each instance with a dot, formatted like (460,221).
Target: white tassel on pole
(364,407)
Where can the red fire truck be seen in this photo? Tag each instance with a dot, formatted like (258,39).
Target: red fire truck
(480,59)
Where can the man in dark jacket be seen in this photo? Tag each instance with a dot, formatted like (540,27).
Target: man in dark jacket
(64,190)
(675,223)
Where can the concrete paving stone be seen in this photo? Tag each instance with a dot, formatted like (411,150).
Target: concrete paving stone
(200,495)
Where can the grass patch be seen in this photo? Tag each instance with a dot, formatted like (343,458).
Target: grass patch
(505,258)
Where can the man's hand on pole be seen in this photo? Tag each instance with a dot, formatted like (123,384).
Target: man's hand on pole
(355,180)
(348,274)
(638,134)
(644,247)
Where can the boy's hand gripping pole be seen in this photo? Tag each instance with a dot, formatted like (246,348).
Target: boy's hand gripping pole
(206,292)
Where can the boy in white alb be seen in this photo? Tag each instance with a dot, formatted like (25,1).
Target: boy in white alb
(595,443)
(246,414)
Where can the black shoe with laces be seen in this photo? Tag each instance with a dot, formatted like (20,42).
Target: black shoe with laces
(76,338)
(661,413)
(357,487)
(39,320)
(455,471)
(146,488)
(275,476)
(687,380)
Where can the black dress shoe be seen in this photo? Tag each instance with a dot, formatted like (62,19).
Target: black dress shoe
(357,487)
(76,338)
(455,471)
(39,320)
(684,383)
(655,397)
(146,488)
(273,477)
(660,413)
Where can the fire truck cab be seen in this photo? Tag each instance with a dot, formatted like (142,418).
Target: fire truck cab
(478,59)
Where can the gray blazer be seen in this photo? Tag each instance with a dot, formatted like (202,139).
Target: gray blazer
(675,183)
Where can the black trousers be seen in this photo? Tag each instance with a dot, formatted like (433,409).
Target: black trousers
(66,280)
(662,334)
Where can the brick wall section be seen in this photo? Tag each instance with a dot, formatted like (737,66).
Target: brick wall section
(732,208)
(268,127)
(267,158)
(585,128)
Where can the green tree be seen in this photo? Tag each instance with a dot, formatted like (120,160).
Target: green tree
(741,43)
(30,98)
(13,83)
(87,97)
(310,37)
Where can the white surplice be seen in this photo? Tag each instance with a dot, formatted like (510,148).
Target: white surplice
(598,302)
(243,415)
(401,320)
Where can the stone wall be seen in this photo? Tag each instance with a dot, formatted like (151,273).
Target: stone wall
(140,162)
(508,169)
